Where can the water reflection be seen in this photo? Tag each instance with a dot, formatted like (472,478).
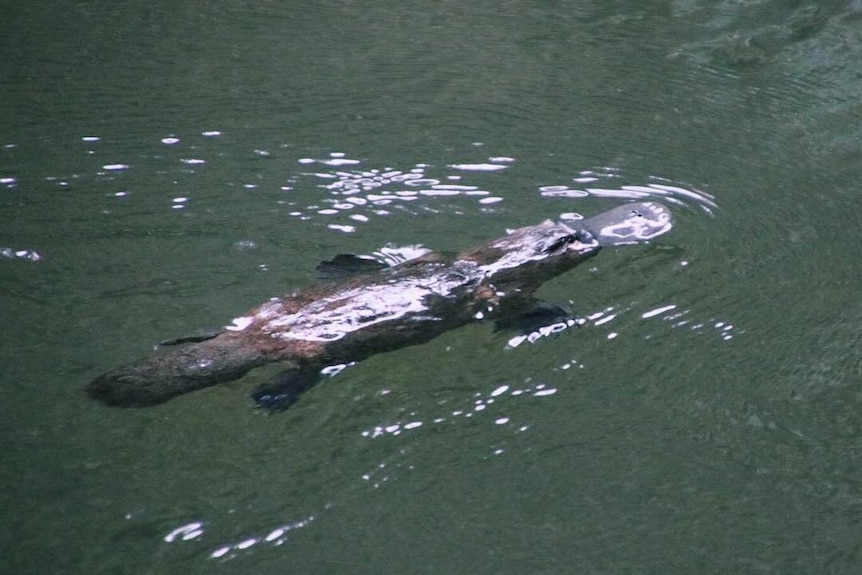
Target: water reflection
(336,188)
(494,406)
(366,193)
(20,254)
(362,194)
(273,536)
(680,318)
(343,192)
(655,189)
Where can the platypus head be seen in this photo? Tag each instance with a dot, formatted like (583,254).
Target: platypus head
(533,254)
(629,224)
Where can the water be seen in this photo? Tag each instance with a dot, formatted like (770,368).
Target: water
(165,168)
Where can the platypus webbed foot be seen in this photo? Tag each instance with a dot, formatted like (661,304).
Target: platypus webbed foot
(285,388)
(539,315)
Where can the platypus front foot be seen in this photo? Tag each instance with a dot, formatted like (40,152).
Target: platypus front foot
(285,388)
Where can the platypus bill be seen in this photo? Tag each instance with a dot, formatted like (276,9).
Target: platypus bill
(379,308)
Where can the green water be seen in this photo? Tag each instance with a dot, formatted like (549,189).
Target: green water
(164,168)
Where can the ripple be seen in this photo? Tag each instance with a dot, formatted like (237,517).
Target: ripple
(20,254)
(346,193)
(363,190)
(465,409)
(494,406)
(669,314)
(274,537)
(479,167)
(658,188)
(185,532)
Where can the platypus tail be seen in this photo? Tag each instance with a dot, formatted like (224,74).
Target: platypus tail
(158,379)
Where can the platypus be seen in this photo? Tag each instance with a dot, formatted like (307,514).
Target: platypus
(377,310)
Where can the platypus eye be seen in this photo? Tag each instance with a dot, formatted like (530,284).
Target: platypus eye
(561,243)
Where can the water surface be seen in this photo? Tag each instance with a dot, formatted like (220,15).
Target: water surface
(164,168)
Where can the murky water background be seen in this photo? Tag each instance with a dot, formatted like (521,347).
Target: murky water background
(166,168)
